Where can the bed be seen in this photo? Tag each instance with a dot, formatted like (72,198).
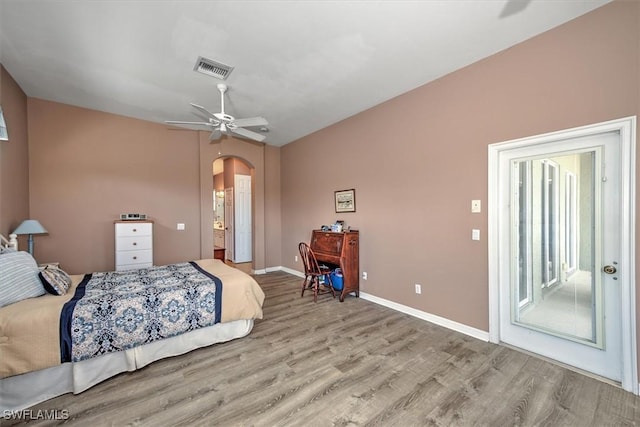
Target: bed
(37,361)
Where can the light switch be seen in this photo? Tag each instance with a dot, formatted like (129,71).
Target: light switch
(475,206)
(180,226)
(475,234)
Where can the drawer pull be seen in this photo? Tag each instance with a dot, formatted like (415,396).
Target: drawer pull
(135,244)
(135,257)
(135,229)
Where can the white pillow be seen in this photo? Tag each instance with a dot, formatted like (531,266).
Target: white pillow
(18,278)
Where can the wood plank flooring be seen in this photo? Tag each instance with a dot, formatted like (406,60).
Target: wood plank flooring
(347,364)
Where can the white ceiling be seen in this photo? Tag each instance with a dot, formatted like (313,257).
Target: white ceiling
(303,65)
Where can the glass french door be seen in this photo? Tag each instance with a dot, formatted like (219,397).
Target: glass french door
(553,295)
(562,226)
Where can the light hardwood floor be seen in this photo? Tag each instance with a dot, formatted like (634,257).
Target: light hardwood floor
(348,364)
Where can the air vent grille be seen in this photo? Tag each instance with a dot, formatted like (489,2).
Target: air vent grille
(212,68)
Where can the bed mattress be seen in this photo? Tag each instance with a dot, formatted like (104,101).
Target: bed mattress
(30,341)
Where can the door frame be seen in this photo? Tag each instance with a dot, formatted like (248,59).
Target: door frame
(627,129)
(229,226)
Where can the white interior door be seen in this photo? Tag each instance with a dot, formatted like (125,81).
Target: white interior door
(229,238)
(242,207)
(562,270)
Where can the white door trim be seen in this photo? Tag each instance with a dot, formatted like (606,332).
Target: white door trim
(242,222)
(627,128)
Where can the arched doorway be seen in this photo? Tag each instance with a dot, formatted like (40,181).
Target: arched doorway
(232,209)
(252,155)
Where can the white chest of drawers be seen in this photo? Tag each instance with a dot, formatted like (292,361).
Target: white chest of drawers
(134,244)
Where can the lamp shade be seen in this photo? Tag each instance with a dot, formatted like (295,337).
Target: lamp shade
(30,226)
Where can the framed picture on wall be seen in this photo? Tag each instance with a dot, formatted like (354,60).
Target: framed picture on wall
(345,200)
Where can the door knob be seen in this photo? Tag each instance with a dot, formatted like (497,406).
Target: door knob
(609,269)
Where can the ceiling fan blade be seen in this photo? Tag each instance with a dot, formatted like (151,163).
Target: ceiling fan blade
(248,134)
(216,134)
(203,110)
(252,121)
(177,122)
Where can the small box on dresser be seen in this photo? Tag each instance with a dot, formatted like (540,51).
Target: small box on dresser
(134,244)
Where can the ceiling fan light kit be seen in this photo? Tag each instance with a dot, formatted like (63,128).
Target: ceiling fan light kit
(223,123)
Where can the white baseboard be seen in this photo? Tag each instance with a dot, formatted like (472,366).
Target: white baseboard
(281,268)
(292,271)
(440,321)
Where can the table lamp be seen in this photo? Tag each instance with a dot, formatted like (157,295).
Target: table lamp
(30,227)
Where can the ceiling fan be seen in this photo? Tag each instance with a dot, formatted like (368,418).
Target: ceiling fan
(223,123)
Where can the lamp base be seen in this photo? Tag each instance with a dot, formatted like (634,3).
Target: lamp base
(30,244)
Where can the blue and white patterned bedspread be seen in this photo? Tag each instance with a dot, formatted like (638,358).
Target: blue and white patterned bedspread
(117,310)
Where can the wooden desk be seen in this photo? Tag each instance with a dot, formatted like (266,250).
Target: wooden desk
(340,249)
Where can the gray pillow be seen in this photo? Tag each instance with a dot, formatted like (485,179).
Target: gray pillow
(18,278)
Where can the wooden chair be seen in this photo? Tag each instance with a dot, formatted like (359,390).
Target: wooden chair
(312,273)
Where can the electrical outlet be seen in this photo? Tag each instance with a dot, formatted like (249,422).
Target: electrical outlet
(364,275)
(295,258)
(418,289)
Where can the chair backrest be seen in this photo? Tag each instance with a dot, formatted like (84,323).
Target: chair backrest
(309,259)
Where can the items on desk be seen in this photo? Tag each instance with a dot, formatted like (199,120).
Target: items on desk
(337,227)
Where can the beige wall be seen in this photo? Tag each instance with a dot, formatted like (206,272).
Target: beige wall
(14,157)
(418,160)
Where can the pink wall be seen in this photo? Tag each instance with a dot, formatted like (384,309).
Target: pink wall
(14,157)
(86,167)
(418,160)
(273,229)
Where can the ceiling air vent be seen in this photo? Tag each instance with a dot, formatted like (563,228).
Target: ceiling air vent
(212,68)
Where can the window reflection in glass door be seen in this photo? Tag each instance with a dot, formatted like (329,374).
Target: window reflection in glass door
(549,225)
(553,208)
